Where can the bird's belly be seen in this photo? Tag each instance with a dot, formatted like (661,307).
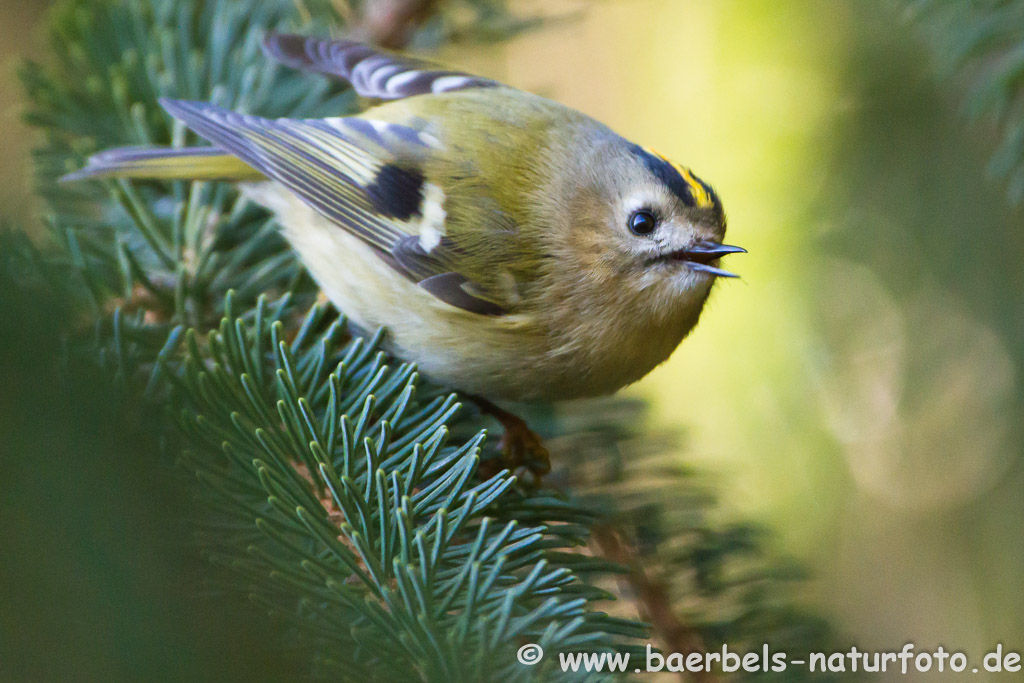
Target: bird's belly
(510,357)
(497,357)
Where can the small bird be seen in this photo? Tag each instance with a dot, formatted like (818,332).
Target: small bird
(513,248)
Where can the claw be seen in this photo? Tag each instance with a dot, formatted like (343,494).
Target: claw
(520,445)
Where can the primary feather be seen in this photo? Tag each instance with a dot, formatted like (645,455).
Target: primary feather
(192,163)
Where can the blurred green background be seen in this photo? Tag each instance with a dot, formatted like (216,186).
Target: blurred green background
(857,390)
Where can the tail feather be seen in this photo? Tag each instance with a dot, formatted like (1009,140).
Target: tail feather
(373,73)
(185,163)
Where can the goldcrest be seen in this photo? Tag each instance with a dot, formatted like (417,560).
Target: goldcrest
(512,247)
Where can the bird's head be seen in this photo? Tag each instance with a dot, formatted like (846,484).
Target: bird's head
(649,226)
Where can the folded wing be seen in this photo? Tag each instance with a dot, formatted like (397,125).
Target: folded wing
(366,176)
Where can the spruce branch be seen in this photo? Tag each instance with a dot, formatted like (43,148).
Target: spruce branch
(359,438)
(980,45)
(653,598)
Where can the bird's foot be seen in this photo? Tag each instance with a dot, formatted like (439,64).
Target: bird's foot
(521,447)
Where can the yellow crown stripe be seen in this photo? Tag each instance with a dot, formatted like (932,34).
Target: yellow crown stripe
(700,194)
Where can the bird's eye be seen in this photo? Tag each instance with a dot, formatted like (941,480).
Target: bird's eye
(642,222)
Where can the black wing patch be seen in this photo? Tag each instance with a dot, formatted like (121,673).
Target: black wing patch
(372,72)
(397,192)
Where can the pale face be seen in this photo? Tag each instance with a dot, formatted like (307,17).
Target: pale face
(666,226)
(641,236)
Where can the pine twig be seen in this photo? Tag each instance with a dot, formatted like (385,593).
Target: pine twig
(653,600)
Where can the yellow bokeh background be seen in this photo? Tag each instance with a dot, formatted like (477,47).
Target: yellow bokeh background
(795,391)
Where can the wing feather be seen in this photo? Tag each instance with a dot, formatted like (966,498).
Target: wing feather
(373,73)
(311,157)
(363,175)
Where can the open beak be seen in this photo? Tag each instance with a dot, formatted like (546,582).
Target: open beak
(699,257)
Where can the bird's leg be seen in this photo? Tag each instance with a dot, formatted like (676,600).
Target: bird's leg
(520,445)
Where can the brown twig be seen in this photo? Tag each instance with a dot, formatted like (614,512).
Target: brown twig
(334,514)
(391,23)
(652,598)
